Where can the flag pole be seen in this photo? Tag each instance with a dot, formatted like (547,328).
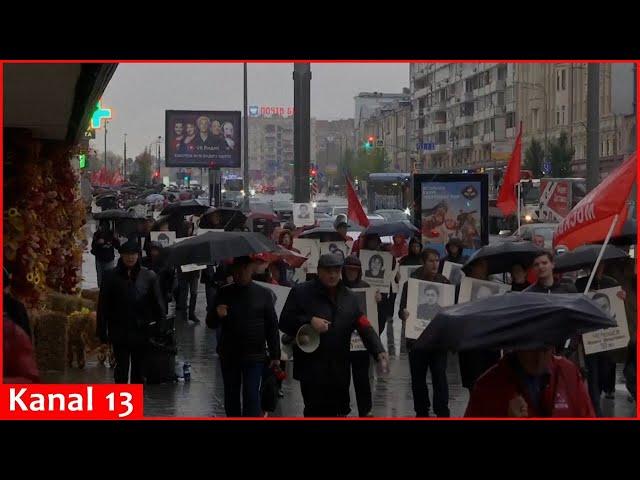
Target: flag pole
(604,245)
(519,204)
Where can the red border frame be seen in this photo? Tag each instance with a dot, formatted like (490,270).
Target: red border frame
(3,62)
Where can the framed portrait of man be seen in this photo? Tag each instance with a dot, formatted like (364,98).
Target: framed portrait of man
(164,238)
(369,307)
(424,301)
(310,248)
(377,267)
(338,248)
(608,338)
(473,289)
(453,272)
(303,214)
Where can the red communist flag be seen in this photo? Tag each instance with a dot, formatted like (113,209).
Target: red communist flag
(590,220)
(355,210)
(507,201)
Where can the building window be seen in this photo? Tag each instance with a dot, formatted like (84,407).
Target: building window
(534,118)
(510,120)
(564,80)
(608,147)
(558,118)
(563,122)
(558,81)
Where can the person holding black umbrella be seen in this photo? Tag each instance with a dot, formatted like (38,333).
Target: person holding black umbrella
(420,361)
(245,313)
(530,383)
(130,302)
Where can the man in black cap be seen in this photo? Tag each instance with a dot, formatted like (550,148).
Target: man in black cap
(245,312)
(130,303)
(334,313)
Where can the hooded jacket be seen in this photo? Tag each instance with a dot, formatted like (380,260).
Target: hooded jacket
(413,259)
(459,258)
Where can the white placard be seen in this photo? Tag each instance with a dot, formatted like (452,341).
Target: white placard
(453,272)
(405,272)
(474,289)
(281,294)
(369,307)
(377,268)
(310,248)
(178,240)
(608,338)
(202,231)
(303,214)
(340,248)
(156,214)
(165,238)
(424,301)
(192,267)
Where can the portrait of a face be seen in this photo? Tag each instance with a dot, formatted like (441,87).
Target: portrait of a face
(303,211)
(178,129)
(203,124)
(375,269)
(227,129)
(603,302)
(428,305)
(215,127)
(191,129)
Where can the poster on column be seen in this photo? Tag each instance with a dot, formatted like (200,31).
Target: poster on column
(369,307)
(424,301)
(608,338)
(280,295)
(310,248)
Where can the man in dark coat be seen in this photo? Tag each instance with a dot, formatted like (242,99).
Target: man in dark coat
(420,361)
(333,312)
(245,312)
(454,249)
(129,306)
(102,247)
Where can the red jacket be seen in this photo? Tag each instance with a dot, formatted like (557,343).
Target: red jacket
(565,396)
(19,363)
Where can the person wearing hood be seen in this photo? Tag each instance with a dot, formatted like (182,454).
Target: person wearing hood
(156,261)
(414,254)
(454,248)
(102,247)
(130,302)
(341,226)
(352,278)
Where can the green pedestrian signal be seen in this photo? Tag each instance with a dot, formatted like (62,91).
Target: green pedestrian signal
(83,160)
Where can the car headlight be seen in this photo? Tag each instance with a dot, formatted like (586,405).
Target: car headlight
(314,204)
(223,191)
(252,192)
(407,211)
(527,218)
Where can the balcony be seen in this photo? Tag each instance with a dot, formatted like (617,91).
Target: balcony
(464,143)
(467,97)
(498,110)
(421,92)
(488,137)
(439,127)
(464,119)
(498,85)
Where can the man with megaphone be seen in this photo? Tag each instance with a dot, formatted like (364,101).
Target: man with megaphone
(321,315)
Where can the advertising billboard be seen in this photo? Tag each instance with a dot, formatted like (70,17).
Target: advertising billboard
(452,206)
(199,138)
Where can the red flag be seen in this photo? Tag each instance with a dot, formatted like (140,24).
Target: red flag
(507,200)
(590,220)
(355,210)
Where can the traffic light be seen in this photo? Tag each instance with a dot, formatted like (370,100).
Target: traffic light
(156,174)
(83,160)
(370,141)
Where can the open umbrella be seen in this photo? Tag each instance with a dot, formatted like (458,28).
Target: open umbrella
(585,256)
(212,247)
(291,258)
(230,218)
(502,256)
(154,197)
(185,207)
(322,232)
(516,320)
(113,215)
(403,227)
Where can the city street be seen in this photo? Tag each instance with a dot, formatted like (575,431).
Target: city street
(203,396)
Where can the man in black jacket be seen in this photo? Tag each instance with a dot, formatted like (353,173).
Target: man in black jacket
(420,361)
(543,267)
(102,247)
(333,312)
(130,303)
(248,320)
(454,248)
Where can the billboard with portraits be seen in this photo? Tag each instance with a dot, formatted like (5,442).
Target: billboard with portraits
(199,138)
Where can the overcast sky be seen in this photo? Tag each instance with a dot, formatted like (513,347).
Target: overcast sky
(138,94)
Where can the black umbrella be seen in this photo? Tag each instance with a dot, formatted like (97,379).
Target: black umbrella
(515,320)
(403,227)
(628,235)
(230,218)
(585,256)
(212,247)
(502,256)
(320,232)
(113,215)
(185,207)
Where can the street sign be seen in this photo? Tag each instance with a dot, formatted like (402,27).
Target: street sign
(99,114)
(379,143)
(426,146)
(90,133)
